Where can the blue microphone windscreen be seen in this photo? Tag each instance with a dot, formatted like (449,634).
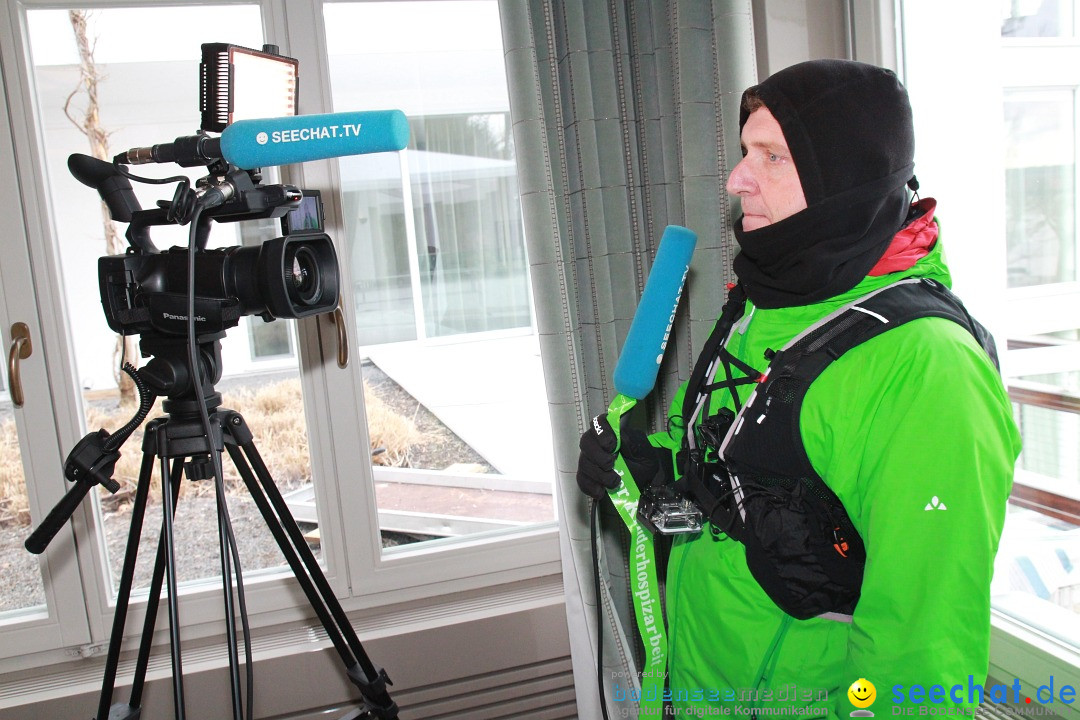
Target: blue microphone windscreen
(639,361)
(301,138)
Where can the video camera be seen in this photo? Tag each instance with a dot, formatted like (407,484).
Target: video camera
(293,276)
(182,300)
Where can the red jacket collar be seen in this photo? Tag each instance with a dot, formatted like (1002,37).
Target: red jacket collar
(912,243)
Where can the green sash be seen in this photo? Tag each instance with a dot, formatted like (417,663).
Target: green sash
(643,581)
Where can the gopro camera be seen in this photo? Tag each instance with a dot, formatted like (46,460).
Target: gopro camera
(666,512)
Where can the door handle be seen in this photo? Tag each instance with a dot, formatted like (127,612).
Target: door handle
(338,319)
(20,350)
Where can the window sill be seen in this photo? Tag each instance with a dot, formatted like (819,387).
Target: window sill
(401,638)
(1019,651)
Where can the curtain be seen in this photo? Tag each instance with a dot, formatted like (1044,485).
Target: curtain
(625,118)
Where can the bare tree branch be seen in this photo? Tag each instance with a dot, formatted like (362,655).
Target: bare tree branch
(90,126)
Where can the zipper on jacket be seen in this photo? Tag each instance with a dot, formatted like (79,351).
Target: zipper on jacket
(671,611)
(768,662)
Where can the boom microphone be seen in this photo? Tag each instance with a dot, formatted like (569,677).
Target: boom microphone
(639,361)
(256,143)
(187,151)
(250,144)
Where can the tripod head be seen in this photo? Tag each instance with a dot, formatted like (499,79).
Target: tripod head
(168,373)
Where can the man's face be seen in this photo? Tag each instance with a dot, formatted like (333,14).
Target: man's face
(765,179)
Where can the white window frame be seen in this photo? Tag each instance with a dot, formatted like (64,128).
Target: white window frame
(459,574)
(63,620)
(1017,650)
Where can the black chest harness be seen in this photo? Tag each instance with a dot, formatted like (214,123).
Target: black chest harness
(748,470)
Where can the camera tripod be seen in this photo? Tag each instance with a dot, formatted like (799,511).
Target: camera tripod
(180,444)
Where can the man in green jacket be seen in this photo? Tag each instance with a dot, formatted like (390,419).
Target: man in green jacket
(911,430)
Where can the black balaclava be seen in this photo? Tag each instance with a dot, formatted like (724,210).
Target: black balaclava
(849,128)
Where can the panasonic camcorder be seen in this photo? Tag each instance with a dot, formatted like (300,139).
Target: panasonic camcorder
(292,276)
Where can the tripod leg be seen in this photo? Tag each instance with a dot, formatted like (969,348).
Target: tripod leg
(152,602)
(226,547)
(370,680)
(127,575)
(291,556)
(167,511)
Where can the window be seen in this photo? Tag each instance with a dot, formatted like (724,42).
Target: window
(128,119)
(444,354)
(998,126)
(28,594)
(1040,185)
(436,251)
(1038,19)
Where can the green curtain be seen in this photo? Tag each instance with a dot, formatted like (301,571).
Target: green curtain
(625,118)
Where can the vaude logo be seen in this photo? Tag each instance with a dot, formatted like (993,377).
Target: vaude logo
(935,504)
(170,316)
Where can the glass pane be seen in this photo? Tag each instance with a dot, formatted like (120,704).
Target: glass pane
(270,339)
(1038,18)
(434,235)
(1040,186)
(378,249)
(146,87)
(468,225)
(1036,576)
(1052,438)
(22,590)
(1037,572)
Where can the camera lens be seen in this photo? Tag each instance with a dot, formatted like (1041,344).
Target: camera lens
(296,276)
(304,276)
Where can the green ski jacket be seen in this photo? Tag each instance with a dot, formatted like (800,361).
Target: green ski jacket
(914,432)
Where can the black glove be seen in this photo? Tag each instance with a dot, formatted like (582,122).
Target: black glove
(596,464)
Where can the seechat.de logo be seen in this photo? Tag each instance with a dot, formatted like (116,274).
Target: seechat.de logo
(862,694)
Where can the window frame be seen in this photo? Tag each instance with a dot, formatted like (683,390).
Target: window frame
(1017,650)
(456,562)
(361,575)
(63,620)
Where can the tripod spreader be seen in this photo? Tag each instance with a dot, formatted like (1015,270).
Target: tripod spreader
(90,463)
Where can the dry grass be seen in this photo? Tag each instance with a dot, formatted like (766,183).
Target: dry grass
(275,415)
(13,505)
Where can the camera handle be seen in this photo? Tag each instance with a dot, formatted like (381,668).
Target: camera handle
(90,463)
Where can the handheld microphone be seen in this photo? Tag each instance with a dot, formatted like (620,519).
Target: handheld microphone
(635,376)
(639,361)
(250,144)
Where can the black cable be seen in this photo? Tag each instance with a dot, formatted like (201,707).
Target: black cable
(122,170)
(215,456)
(182,207)
(240,596)
(594,521)
(146,402)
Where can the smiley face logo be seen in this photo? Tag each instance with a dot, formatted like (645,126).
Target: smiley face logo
(862,693)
